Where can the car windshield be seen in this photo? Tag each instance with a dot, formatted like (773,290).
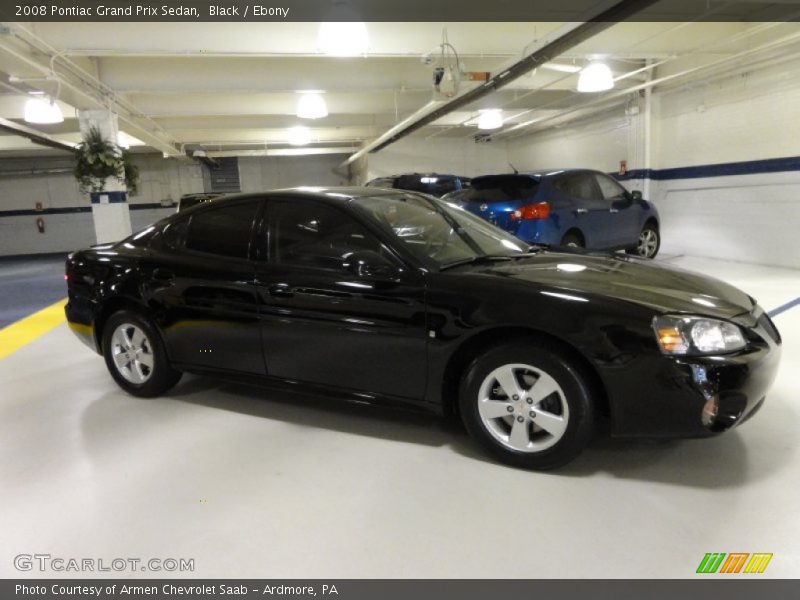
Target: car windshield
(440,231)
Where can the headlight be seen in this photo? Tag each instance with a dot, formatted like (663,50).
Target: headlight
(696,335)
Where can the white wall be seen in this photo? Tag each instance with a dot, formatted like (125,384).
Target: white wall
(597,143)
(161,181)
(259,174)
(456,156)
(747,117)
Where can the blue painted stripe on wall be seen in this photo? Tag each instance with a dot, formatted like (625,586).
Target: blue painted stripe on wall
(784,307)
(26,212)
(108,197)
(749,167)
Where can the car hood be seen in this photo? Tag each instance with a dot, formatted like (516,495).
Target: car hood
(656,285)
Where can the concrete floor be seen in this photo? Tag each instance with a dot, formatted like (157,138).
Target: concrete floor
(250,484)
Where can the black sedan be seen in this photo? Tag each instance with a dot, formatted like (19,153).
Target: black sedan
(394,297)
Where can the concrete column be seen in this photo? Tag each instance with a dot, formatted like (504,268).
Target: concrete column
(112,220)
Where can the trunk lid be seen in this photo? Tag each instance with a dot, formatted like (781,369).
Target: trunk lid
(496,197)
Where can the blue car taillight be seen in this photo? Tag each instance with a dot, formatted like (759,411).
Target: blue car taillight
(539,210)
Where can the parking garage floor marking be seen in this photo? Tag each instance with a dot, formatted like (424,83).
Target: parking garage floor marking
(784,307)
(15,336)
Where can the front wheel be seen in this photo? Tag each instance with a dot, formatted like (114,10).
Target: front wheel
(649,242)
(135,355)
(527,406)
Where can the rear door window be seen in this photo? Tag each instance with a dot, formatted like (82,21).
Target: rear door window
(223,230)
(578,185)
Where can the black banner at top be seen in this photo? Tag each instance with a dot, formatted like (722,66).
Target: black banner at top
(394,10)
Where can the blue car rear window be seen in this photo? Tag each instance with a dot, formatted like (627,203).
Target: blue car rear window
(500,188)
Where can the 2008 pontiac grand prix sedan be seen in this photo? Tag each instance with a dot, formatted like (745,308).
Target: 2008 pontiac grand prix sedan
(395,297)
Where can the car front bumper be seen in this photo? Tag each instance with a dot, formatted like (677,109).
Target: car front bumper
(697,396)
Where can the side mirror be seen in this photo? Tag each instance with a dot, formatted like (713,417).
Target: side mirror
(367,264)
(636,195)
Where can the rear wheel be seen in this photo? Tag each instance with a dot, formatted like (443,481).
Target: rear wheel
(135,355)
(572,240)
(527,406)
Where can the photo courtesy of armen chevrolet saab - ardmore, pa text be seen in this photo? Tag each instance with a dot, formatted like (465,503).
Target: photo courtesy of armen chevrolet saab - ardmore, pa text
(358,299)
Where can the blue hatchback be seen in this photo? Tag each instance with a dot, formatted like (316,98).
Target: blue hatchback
(569,207)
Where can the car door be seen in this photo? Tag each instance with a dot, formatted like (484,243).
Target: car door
(324,324)
(623,225)
(201,283)
(589,211)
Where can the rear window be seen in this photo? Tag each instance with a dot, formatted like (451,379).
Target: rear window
(500,188)
(224,230)
(412,183)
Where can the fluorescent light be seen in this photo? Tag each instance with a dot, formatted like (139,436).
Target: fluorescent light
(343,39)
(39,110)
(596,77)
(311,105)
(299,136)
(490,118)
(429,179)
(123,141)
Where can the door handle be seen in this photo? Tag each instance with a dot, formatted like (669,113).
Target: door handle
(281,290)
(163,274)
(581,211)
(613,210)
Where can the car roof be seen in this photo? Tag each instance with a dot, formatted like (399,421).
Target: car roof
(547,172)
(536,174)
(429,174)
(334,193)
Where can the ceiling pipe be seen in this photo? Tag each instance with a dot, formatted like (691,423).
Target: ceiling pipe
(282,152)
(577,34)
(37,137)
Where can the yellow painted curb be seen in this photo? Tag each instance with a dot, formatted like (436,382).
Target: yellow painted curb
(15,336)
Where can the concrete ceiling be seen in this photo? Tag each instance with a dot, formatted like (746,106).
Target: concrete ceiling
(233,86)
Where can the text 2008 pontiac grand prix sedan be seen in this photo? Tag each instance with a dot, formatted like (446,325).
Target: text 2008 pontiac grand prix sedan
(395,297)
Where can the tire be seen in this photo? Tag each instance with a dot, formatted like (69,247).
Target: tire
(572,240)
(649,242)
(508,429)
(135,355)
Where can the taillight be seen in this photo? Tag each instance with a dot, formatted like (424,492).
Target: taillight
(540,210)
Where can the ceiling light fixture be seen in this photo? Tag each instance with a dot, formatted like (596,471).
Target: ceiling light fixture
(311,105)
(123,141)
(490,118)
(41,111)
(299,136)
(595,77)
(343,39)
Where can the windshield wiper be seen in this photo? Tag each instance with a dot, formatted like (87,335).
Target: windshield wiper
(475,260)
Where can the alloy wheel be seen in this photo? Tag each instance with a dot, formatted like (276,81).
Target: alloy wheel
(648,243)
(132,353)
(523,408)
